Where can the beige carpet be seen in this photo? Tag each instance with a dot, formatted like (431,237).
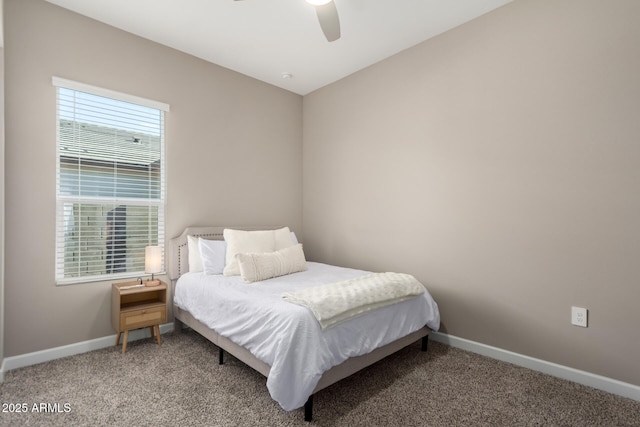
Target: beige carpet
(181,384)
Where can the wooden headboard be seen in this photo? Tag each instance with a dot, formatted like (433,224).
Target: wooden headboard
(179,250)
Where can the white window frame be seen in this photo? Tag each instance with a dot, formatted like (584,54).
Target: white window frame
(61,199)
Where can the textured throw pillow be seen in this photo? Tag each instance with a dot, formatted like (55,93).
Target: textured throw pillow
(195,261)
(255,267)
(259,241)
(212,253)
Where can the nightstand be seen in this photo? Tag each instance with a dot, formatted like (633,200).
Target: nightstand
(134,307)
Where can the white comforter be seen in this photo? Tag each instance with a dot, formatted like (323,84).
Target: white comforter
(287,336)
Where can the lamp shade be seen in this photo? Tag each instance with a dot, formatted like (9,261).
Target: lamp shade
(152,259)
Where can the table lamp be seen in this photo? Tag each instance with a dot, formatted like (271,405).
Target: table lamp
(152,263)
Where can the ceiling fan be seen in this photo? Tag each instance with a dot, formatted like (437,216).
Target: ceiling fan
(327,17)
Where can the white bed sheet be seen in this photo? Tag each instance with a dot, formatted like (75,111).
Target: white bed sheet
(287,337)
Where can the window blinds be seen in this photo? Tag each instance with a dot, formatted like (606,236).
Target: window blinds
(110,182)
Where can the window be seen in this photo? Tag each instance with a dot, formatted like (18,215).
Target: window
(110,182)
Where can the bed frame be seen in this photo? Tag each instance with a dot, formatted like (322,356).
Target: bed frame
(179,264)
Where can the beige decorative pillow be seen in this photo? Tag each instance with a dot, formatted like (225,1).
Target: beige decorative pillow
(259,241)
(255,267)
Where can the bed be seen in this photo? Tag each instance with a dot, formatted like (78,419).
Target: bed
(233,316)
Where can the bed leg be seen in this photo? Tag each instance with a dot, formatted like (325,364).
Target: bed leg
(220,356)
(425,342)
(308,409)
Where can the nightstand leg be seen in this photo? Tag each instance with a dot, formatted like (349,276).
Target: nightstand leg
(157,328)
(152,329)
(124,344)
(118,339)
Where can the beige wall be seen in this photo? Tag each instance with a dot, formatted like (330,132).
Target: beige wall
(499,163)
(234,156)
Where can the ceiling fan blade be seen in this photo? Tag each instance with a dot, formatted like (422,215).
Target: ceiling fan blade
(329,21)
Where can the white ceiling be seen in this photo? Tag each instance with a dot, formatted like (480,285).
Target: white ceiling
(266,38)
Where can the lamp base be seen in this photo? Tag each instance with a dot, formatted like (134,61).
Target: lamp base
(152,282)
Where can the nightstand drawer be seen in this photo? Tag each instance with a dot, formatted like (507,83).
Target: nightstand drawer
(145,317)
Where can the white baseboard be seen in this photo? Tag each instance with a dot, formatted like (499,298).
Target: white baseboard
(36,357)
(581,377)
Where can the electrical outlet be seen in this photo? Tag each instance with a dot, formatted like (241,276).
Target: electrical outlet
(579,316)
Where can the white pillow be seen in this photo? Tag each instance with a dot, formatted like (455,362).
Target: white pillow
(283,238)
(259,241)
(255,267)
(294,239)
(212,253)
(195,261)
